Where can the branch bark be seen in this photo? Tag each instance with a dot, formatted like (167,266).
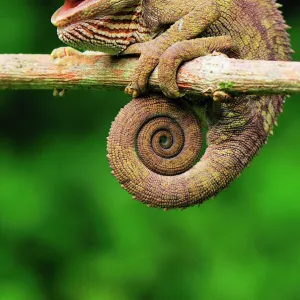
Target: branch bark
(202,75)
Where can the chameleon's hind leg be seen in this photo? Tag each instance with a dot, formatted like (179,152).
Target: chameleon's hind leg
(183,51)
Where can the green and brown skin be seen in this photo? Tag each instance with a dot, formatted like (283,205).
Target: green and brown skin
(155,141)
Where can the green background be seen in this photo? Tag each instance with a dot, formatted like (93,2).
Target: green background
(69,232)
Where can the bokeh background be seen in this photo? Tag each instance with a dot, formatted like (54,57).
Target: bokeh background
(69,232)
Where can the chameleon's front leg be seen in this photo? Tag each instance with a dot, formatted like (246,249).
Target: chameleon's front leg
(58,54)
(188,27)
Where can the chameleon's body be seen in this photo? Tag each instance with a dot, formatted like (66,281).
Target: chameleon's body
(154,142)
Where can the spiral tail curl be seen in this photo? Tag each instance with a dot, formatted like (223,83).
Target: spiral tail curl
(154,146)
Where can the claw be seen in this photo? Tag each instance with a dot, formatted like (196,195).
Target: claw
(135,94)
(131,91)
(173,93)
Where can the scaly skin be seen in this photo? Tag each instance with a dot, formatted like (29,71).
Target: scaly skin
(155,141)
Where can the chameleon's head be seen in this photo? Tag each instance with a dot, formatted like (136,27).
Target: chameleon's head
(101,25)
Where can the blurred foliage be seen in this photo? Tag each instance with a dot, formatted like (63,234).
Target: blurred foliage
(69,232)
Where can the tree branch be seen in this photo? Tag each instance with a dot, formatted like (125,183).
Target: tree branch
(202,75)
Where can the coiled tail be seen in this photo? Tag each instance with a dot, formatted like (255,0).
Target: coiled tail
(155,142)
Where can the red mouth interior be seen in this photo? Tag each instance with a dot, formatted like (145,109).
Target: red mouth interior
(71,3)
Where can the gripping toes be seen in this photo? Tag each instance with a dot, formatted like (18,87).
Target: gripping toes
(167,72)
(61,52)
(151,56)
(146,65)
(57,54)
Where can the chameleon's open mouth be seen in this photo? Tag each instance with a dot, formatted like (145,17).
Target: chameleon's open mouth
(71,10)
(72,3)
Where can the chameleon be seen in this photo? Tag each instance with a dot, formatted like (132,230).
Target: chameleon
(155,141)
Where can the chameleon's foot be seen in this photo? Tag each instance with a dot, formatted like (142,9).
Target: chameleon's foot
(183,51)
(141,74)
(61,52)
(148,60)
(167,71)
(58,54)
(151,56)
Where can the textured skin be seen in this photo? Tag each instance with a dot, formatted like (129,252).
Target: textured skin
(154,142)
